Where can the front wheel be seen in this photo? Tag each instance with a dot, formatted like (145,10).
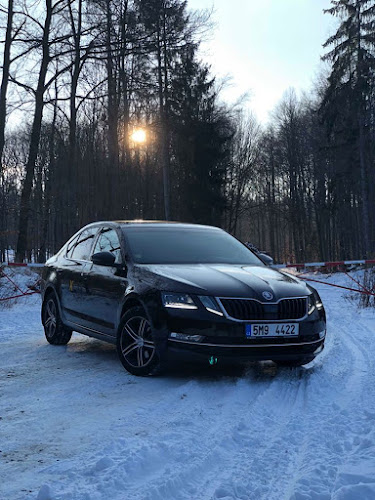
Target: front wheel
(135,344)
(56,333)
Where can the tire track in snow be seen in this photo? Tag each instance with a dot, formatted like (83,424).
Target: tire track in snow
(164,465)
(354,361)
(219,446)
(142,459)
(191,449)
(336,428)
(256,462)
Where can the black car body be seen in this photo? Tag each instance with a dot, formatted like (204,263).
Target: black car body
(164,291)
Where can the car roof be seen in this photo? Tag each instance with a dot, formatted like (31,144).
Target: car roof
(151,223)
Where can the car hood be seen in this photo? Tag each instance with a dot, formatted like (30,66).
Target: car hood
(222,280)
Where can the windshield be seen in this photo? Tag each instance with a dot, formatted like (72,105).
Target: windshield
(187,246)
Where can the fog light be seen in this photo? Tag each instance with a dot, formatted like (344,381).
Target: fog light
(186,337)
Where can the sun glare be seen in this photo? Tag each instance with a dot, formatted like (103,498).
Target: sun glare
(139,136)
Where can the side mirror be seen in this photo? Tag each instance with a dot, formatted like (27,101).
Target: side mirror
(104,259)
(266,259)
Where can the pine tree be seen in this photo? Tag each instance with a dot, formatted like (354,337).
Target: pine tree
(202,131)
(345,104)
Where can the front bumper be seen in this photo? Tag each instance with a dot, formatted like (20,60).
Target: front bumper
(226,339)
(203,351)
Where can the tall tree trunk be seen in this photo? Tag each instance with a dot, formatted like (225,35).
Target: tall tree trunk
(34,140)
(124,174)
(164,132)
(5,78)
(49,178)
(71,180)
(364,196)
(361,82)
(112,109)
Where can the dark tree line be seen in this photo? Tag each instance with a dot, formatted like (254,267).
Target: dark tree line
(311,192)
(86,74)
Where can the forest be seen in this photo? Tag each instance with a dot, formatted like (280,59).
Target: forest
(121,119)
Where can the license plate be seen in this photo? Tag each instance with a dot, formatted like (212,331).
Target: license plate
(272,330)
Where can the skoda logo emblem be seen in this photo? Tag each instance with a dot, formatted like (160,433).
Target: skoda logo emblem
(267,295)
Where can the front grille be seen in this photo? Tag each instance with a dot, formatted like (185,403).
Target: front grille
(292,308)
(243,309)
(251,310)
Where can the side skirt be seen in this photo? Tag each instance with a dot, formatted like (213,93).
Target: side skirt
(90,332)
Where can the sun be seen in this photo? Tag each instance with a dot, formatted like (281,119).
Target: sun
(139,136)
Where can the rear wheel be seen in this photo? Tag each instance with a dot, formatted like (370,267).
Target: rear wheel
(56,333)
(135,344)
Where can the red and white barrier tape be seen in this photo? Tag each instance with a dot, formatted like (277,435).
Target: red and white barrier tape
(364,290)
(327,264)
(332,264)
(21,293)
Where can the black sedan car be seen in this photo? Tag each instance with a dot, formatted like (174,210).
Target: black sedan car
(168,291)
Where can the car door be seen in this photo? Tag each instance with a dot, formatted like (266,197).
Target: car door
(73,277)
(106,285)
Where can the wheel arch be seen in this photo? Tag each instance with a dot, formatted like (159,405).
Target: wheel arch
(133,300)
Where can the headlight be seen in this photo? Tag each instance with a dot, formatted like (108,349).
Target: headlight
(178,301)
(315,302)
(210,304)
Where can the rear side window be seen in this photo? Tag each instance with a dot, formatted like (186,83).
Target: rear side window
(108,241)
(82,247)
(70,247)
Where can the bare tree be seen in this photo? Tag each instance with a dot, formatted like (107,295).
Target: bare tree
(41,88)
(242,171)
(5,77)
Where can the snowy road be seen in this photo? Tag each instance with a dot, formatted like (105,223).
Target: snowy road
(74,425)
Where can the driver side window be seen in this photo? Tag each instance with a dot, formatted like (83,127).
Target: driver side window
(108,241)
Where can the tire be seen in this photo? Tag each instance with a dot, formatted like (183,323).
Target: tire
(294,362)
(135,344)
(56,333)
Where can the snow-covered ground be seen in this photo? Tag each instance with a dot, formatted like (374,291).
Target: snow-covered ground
(74,425)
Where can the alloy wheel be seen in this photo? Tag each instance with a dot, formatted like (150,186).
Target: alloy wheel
(137,345)
(50,318)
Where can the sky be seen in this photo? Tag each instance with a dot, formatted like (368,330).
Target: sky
(266,47)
